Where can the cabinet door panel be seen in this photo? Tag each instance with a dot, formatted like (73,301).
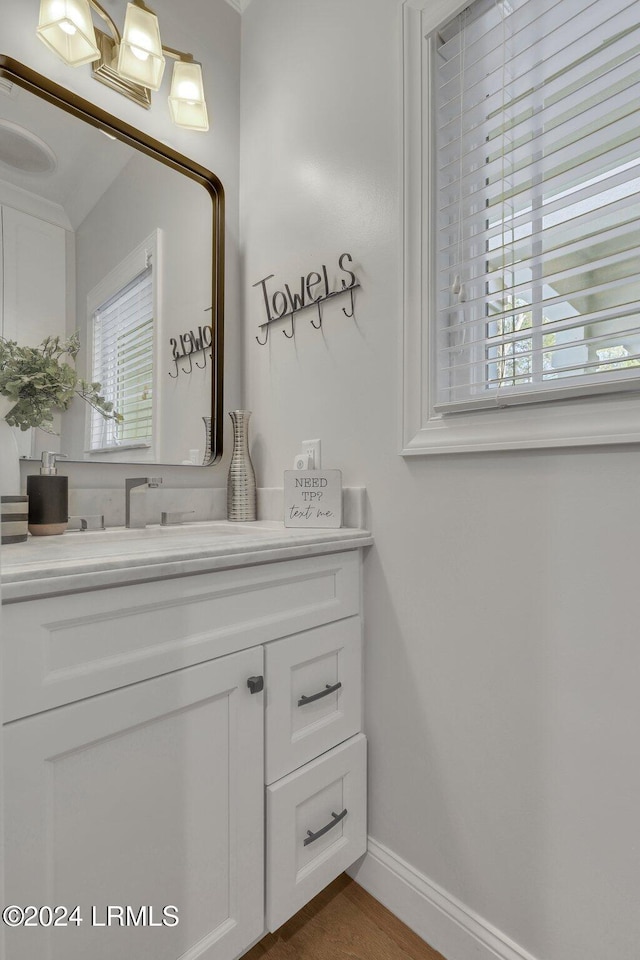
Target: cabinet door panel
(149,796)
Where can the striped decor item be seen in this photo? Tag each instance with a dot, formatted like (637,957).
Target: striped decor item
(14,518)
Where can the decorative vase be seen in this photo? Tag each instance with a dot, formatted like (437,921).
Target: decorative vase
(208,442)
(9,457)
(241,483)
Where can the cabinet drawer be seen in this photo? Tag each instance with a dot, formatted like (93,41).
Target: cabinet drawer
(316,827)
(62,649)
(314,689)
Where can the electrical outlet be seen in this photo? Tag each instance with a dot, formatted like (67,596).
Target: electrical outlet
(312,447)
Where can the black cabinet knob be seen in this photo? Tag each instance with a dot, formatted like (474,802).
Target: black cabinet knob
(255,684)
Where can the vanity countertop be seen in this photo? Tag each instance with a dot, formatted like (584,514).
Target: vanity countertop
(48,566)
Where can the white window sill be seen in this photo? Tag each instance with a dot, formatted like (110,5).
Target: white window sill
(120,448)
(592,421)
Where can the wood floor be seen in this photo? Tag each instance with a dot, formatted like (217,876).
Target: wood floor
(343,923)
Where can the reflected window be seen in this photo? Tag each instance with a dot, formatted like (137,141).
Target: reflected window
(122,338)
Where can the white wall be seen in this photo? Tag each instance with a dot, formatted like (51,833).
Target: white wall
(502,648)
(210,29)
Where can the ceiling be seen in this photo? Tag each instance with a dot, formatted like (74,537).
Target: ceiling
(82,161)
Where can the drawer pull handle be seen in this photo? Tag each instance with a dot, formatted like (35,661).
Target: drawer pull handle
(330,688)
(337,817)
(255,684)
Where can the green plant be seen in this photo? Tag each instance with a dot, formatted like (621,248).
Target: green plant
(41,380)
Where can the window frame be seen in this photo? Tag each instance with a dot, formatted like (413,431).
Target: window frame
(593,420)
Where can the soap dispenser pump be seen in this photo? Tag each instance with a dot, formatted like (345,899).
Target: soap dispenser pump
(48,498)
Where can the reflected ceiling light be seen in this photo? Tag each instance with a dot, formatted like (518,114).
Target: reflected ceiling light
(22,150)
(133,64)
(186,100)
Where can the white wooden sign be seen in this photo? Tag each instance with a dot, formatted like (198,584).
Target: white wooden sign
(313,498)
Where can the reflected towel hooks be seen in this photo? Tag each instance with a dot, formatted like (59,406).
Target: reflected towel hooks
(187,345)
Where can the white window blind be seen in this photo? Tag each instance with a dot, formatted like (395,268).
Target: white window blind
(537,109)
(123,364)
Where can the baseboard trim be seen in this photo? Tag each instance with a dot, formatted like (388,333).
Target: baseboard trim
(439,918)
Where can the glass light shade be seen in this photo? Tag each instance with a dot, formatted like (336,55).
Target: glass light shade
(186,101)
(140,56)
(66,27)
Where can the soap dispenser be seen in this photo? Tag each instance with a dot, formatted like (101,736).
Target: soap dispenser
(48,498)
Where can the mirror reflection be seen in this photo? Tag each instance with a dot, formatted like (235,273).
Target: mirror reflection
(99,237)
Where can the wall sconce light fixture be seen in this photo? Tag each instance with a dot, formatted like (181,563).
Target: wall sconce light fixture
(132,63)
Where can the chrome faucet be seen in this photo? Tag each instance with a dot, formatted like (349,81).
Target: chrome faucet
(130,488)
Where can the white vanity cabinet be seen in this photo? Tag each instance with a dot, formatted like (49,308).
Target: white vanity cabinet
(136,729)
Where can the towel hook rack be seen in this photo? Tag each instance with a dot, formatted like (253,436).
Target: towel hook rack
(312,289)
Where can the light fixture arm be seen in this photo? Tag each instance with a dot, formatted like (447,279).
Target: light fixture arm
(178,54)
(102,13)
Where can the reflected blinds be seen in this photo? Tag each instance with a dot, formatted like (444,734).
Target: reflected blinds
(123,364)
(536,106)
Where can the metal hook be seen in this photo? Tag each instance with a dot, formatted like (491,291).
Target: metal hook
(352,307)
(190,370)
(317,326)
(205,346)
(174,375)
(202,366)
(263,342)
(290,335)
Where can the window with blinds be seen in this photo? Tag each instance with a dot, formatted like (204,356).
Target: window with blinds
(536,107)
(123,365)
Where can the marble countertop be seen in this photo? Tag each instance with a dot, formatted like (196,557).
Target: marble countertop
(48,566)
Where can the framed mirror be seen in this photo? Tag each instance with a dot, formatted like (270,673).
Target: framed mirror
(116,236)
